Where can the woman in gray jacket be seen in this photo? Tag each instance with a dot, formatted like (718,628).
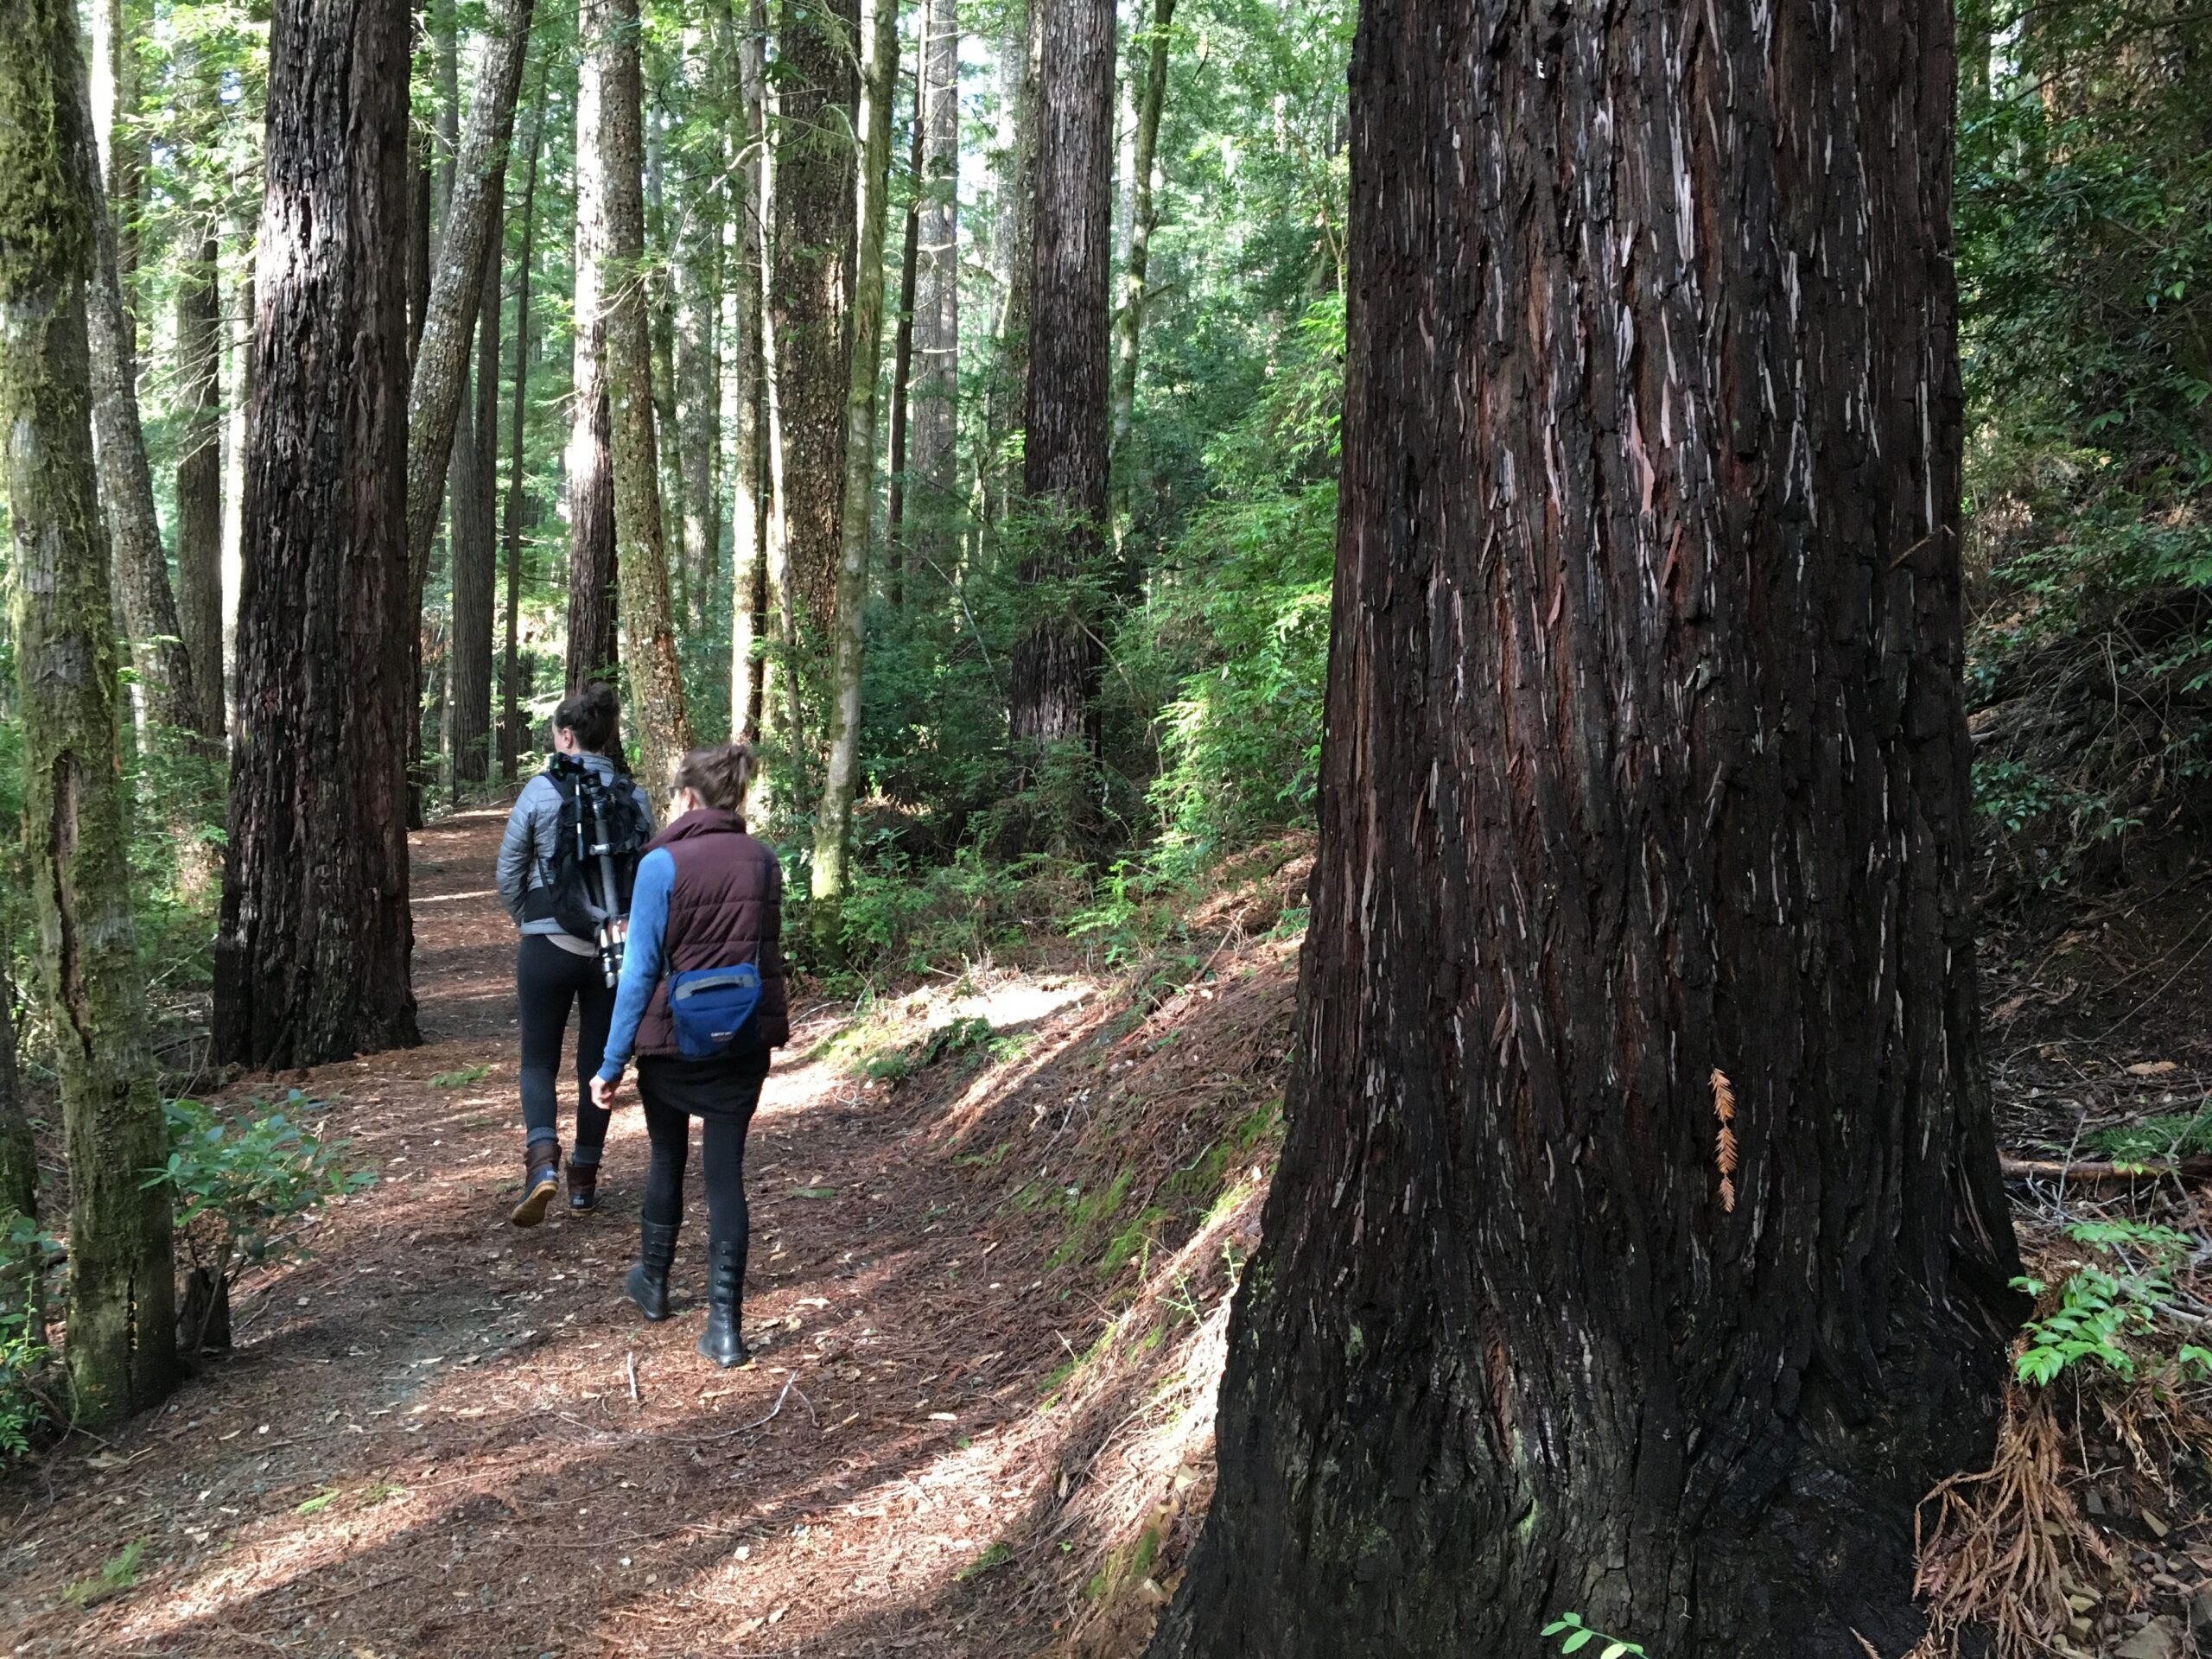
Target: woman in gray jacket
(556,969)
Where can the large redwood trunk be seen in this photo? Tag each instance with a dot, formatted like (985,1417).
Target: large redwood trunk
(311,963)
(1056,665)
(1646,767)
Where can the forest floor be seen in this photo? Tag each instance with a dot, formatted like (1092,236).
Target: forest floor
(440,1434)
(996,1221)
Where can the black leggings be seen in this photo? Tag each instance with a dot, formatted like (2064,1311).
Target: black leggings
(662,1085)
(547,980)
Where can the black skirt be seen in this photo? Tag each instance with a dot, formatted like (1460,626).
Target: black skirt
(727,1087)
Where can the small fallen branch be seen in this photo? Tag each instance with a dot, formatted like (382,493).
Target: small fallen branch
(2197,1168)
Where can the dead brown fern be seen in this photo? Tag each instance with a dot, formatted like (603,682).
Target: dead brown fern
(1723,1149)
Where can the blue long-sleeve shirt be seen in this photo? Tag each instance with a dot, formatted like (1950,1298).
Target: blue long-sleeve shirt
(642,956)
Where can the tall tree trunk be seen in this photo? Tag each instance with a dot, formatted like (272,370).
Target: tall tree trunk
(902,366)
(1129,322)
(592,599)
(237,334)
(510,719)
(439,388)
(311,961)
(475,541)
(1013,253)
(199,482)
(648,641)
(930,472)
(141,571)
(122,144)
(420,235)
(833,818)
(748,518)
(1645,803)
(660,323)
(1056,663)
(121,1342)
(698,396)
(811,293)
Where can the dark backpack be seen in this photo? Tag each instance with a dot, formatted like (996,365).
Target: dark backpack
(602,833)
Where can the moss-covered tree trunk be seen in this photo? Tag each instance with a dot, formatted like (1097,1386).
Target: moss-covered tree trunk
(817,93)
(121,1352)
(1128,320)
(657,705)
(21,1278)
(312,958)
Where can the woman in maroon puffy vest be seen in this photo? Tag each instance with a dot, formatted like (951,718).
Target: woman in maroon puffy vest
(701,1004)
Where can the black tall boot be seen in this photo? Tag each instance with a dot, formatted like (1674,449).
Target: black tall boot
(541,1178)
(721,1341)
(648,1281)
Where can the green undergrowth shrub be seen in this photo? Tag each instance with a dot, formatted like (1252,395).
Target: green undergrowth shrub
(24,1357)
(243,1184)
(2112,1308)
(2155,1139)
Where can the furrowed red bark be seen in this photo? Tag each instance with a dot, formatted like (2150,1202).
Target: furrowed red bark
(1056,663)
(121,1348)
(1645,794)
(311,960)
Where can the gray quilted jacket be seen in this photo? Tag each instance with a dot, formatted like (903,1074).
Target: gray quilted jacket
(526,850)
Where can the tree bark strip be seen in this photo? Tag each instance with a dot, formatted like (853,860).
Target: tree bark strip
(811,290)
(1065,417)
(698,396)
(439,384)
(592,601)
(510,719)
(121,1350)
(199,482)
(311,961)
(474,537)
(1129,322)
(1644,815)
(1013,253)
(902,371)
(748,516)
(656,677)
(929,476)
(833,817)
(141,571)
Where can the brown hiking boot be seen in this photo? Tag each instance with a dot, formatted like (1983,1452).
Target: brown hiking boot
(584,1188)
(540,1180)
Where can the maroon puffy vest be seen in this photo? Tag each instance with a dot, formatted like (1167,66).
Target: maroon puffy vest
(725,907)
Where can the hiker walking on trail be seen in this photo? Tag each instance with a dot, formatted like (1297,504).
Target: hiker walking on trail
(575,833)
(701,1004)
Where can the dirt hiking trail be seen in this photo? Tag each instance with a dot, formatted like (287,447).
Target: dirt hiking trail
(441,1434)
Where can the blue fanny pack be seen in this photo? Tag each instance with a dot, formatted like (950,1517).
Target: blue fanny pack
(711,1008)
